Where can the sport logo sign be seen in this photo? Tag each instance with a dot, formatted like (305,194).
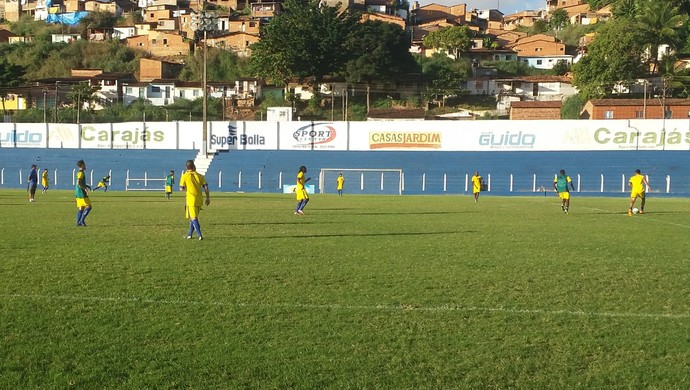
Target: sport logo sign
(313,135)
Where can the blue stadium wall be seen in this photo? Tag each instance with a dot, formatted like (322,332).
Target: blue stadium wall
(424,171)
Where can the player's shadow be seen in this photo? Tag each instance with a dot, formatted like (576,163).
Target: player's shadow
(409,213)
(301,222)
(336,235)
(668,212)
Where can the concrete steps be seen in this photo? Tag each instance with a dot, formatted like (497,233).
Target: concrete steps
(203,161)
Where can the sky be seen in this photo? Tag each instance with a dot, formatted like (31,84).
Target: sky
(506,6)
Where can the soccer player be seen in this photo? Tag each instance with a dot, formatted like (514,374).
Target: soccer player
(45,181)
(340,181)
(81,194)
(103,183)
(193,182)
(560,185)
(169,183)
(638,187)
(32,182)
(301,191)
(477,183)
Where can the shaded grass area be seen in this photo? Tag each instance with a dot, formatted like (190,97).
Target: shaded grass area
(362,292)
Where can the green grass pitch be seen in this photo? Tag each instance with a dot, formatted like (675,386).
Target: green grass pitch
(387,292)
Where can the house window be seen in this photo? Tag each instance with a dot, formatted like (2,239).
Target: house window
(668,114)
(153,41)
(539,62)
(608,114)
(639,114)
(165,41)
(497,57)
(196,93)
(128,91)
(156,89)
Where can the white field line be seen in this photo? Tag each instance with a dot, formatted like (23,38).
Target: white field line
(378,307)
(645,217)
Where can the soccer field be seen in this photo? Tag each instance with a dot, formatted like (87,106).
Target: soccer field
(389,292)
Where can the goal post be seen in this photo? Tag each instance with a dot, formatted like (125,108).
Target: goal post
(365,180)
(144,183)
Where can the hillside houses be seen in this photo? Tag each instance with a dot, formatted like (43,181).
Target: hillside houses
(166,35)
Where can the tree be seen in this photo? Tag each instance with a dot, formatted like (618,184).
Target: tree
(625,8)
(540,26)
(96,20)
(10,76)
(454,40)
(613,57)
(305,40)
(81,94)
(572,107)
(560,68)
(380,52)
(661,23)
(445,76)
(221,65)
(559,19)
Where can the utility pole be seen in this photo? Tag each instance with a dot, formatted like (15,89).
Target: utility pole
(206,21)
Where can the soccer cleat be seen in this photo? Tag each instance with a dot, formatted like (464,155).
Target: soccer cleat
(188,237)
(630,213)
(641,211)
(201,238)
(300,212)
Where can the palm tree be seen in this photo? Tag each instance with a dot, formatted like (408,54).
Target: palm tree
(661,23)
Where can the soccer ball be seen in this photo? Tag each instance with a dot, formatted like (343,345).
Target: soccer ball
(635,210)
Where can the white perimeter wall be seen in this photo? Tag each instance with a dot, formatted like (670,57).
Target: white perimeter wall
(566,135)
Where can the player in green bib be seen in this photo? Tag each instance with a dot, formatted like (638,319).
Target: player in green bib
(169,183)
(560,185)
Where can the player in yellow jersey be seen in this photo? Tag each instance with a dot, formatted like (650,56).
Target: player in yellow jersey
(560,185)
(193,182)
(301,191)
(477,183)
(638,187)
(103,183)
(340,181)
(45,181)
(81,194)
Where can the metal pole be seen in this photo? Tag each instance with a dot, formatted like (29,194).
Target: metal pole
(55,117)
(203,106)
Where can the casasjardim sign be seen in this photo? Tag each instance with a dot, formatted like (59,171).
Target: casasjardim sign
(404,140)
(647,139)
